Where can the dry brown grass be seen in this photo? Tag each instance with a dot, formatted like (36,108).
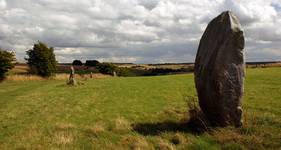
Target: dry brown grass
(162,66)
(19,69)
(95,76)
(136,143)
(97,128)
(32,132)
(61,76)
(20,73)
(264,65)
(121,124)
(165,145)
(225,136)
(64,126)
(64,134)
(24,78)
(63,138)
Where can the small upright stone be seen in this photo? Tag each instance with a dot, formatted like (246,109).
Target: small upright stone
(71,79)
(91,75)
(219,70)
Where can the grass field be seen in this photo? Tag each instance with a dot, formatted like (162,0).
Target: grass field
(132,113)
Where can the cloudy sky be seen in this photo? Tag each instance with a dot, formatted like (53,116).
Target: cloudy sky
(137,31)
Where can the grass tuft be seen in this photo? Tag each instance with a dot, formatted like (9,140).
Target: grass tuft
(64,126)
(178,139)
(164,145)
(227,135)
(136,143)
(197,121)
(63,138)
(96,129)
(121,124)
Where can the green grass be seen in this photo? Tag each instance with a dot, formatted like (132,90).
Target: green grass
(103,114)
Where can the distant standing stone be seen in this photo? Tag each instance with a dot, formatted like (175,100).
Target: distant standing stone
(71,80)
(219,70)
(91,75)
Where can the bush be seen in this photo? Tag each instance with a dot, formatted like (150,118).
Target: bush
(125,72)
(107,68)
(77,63)
(6,63)
(92,63)
(41,60)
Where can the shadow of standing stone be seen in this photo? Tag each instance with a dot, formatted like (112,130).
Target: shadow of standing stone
(219,71)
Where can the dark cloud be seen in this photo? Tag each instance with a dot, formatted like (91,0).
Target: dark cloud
(140,31)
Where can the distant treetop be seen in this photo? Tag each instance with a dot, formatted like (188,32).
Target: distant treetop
(77,63)
(91,63)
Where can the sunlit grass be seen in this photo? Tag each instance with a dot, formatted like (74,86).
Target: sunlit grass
(102,114)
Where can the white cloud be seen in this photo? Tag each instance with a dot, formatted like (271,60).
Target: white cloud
(3,4)
(143,31)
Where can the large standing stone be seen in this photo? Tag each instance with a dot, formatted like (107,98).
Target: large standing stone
(219,70)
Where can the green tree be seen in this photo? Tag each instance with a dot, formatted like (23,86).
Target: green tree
(92,63)
(6,63)
(107,68)
(77,63)
(41,60)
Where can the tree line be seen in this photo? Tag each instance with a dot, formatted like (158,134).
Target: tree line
(42,61)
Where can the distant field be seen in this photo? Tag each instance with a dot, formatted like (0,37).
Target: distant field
(132,113)
(132,69)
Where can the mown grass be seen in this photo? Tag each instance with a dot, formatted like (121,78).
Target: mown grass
(132,113)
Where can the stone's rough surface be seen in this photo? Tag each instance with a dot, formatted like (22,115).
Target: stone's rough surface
(219,71)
